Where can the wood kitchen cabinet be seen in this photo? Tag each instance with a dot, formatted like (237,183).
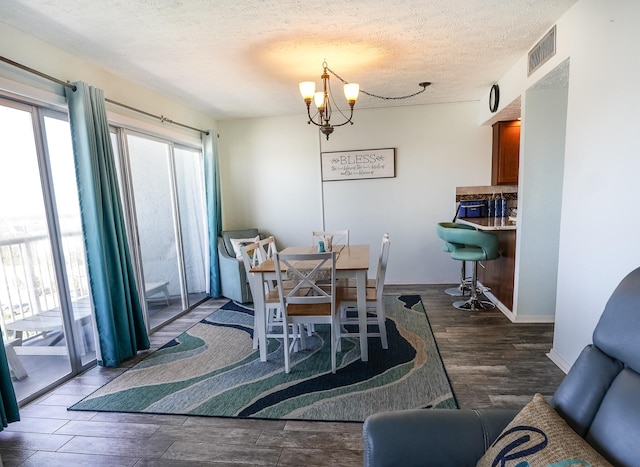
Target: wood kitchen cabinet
(506,153)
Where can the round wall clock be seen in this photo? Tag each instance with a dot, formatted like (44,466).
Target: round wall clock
(494,98)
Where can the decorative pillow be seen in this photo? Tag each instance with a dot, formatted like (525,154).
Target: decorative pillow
(238,243)
(538,436)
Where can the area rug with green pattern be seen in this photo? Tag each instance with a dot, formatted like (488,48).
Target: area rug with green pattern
(213,370)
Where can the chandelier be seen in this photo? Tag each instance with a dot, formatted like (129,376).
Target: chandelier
(322,100)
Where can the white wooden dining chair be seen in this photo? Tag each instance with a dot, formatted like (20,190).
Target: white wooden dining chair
(333,237)
(251,257)
(372,282)
(307,302)
(338,237)
(375,306)
(266,248)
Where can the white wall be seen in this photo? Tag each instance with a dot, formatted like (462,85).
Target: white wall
(539,204)
(602,163)
(269,171)
(271,177)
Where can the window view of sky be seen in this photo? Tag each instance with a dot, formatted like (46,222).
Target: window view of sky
(22,206)
(20,189)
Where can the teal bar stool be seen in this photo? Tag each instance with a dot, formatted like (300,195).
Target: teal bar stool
(465,282)
(476,246)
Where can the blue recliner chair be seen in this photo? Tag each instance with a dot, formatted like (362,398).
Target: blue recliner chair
(233,277)
(599,399)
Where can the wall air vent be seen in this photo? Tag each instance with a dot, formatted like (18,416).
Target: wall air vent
(542,51)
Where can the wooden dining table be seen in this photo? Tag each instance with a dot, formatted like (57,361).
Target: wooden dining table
(352,262)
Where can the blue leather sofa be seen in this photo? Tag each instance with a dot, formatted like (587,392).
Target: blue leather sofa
(233,277)
(599,398)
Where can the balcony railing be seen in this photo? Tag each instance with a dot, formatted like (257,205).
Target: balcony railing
(28,285)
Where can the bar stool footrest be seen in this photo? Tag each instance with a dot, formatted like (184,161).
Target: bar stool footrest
(474,305)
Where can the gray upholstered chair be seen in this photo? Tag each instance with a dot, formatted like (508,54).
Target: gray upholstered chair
(233,278)
(599,399)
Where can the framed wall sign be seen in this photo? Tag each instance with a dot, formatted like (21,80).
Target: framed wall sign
(355,165)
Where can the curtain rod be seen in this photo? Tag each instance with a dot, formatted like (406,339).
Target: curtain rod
(162,118)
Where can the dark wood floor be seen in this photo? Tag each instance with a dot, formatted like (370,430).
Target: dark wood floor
(491,363)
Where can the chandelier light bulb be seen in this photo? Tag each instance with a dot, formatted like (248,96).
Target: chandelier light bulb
(351,92)
(318,99)
(307,89)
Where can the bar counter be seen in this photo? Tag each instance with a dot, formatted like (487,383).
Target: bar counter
(489,223)
(498,274)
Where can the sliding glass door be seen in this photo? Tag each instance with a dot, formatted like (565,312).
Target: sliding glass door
(165,195)
(47,319)
(67,206)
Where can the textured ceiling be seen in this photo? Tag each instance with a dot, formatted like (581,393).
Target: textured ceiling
(244,58)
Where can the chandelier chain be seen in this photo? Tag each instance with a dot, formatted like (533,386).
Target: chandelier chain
(423,85)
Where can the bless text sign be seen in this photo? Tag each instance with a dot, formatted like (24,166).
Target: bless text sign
(353,165)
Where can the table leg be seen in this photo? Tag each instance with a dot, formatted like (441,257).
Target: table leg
(165,292)
(361,285)
(259,310)
(15,365)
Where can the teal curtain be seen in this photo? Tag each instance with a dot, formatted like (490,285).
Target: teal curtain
(214,212)
(8,402)
(119,317)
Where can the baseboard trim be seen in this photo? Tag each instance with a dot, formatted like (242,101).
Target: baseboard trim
(518,318)
(535,319)
(499,305)
(559,361)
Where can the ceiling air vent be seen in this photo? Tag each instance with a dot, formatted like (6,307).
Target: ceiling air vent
(542,51)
